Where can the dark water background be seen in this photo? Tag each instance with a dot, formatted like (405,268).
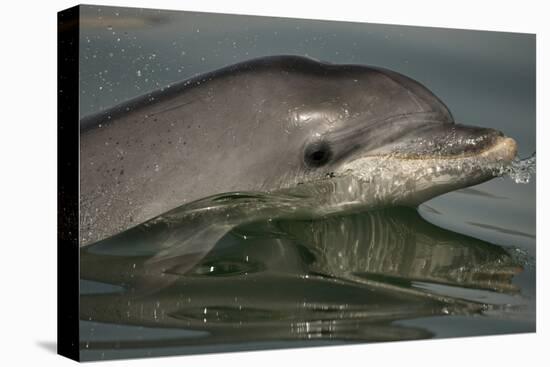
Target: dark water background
(463,264)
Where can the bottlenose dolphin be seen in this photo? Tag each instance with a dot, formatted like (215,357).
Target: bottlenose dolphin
(351,136)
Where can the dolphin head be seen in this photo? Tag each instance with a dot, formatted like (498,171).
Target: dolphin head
(377,137)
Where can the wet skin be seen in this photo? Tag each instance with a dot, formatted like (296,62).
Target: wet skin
(278,123)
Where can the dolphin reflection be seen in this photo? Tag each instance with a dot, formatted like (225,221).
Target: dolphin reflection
(344,279)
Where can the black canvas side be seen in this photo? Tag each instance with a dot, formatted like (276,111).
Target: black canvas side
(67,183)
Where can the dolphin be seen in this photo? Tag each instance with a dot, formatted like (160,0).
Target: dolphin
(350,136)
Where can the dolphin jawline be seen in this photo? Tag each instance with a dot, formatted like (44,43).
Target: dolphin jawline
(396,179)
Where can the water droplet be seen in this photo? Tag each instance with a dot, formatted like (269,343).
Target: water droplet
(521,170)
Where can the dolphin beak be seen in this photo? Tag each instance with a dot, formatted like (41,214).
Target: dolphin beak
(503,150)
(455,141)
(431,160)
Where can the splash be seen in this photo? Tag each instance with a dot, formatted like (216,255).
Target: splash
(521,170)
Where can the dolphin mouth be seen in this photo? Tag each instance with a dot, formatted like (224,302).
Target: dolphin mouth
(448,142)
(502,149)
(417,170)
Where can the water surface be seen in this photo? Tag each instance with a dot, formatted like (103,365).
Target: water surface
(461,264)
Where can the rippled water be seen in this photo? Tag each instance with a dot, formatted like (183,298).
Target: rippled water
(240,270)
(237,271)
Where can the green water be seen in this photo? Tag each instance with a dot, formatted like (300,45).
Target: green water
(462,264)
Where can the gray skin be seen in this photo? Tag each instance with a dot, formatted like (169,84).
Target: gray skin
(276,123)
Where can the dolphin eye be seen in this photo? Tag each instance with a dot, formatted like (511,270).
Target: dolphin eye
(317,154)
